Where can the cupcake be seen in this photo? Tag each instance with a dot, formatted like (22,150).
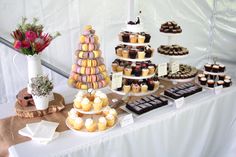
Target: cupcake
(135,88)
(150,84)
(145,71)
(148,53)
(104,98)
(120,36)
(114,66)
(133,38)
(138,71)
(72,115)
(212,77)
(77,102)
(200,76)
(206,74)
(156,84)
(125,37)
(85,104)
(208,67)
(126,88)
(106,110)
(221,77)
(228,77)
(125,53)
(221,68)
(215,68)
(147,38)
(120,68)
(127,71)
(90,125)
(110,120)
(211,83)
(220,83)
(97,104)
(119,52)
(144,88)
(227,82)
(113,112)
(151,69)
(141,38)
(102,123)
(203,81)
(141,54)
(78,124)
(132,54)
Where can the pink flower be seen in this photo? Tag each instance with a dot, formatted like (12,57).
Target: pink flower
(17,44)
(30,35)
(25,44)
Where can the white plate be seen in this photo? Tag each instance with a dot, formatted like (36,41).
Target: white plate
(170,34)
(212,73)
(138,77)
(135,44)
(134,60)
(84,132)
(88,112)
(174,56)
(134,94)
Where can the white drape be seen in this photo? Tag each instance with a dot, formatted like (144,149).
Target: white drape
(208,30)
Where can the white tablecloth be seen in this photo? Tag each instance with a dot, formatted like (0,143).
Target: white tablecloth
(204,127)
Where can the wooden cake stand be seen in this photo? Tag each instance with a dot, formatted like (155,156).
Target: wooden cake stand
(25,106)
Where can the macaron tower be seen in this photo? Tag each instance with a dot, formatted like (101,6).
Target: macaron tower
(88,70)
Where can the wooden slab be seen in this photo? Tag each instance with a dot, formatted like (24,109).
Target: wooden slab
(55,105)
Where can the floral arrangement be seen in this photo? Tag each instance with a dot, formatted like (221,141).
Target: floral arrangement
(41,86)
(30,39)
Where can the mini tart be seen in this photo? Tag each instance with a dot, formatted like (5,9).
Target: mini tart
(97,104)
(126,88)
(113,112)
(144,88)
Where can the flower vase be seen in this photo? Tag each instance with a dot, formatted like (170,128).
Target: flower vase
(34,68)
(41,102)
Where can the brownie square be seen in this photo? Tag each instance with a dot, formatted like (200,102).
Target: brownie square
(163,100)
(151,97)
(146,99)
(140,101)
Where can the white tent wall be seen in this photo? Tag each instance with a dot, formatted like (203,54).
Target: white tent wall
(208,29)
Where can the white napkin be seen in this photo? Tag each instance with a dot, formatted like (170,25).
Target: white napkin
(42,132)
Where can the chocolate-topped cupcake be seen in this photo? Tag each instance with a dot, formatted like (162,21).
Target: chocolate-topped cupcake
(221,68)
(211,83)
(215,68)
(208,67)
(150,84)
(125,37)
(220,83)
(147,38)
(227,82)
(221,77)
(148,53)
(138,71)
(203,81)
(132,54)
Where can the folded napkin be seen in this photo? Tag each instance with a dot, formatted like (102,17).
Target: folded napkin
(42,132)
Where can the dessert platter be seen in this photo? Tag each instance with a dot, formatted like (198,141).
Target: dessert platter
(213,76)
(88,70)
(134,60)
(91,114)
(145,104)
(186,73)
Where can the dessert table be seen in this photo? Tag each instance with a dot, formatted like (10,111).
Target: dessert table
(204,126)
